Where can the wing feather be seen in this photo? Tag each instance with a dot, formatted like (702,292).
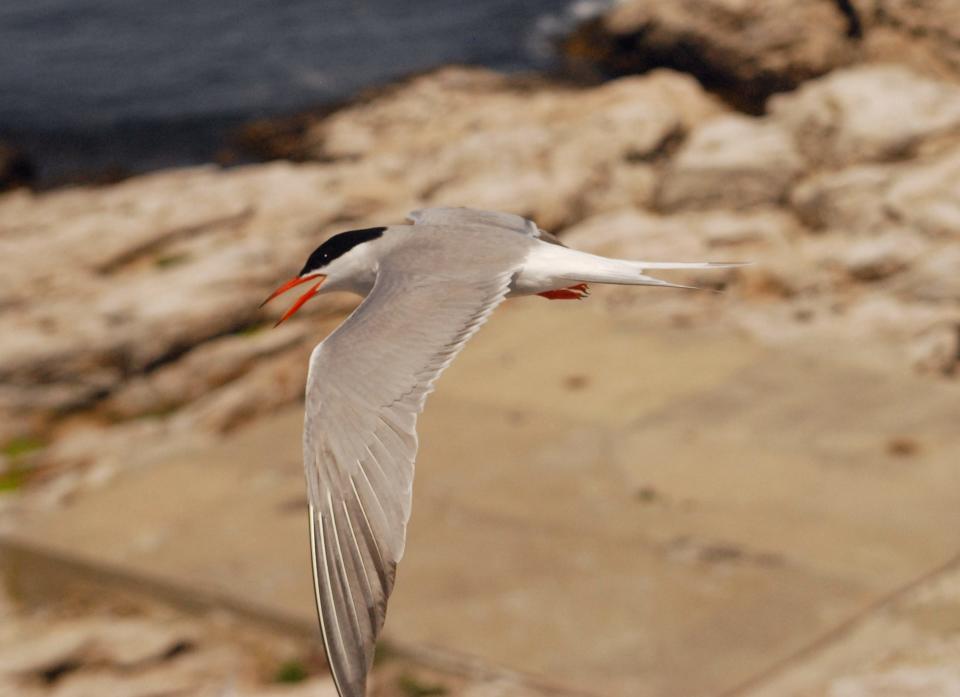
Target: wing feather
(475,216)
(367,384)
(441,215)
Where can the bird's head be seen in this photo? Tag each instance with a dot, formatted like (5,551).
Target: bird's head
(332,266)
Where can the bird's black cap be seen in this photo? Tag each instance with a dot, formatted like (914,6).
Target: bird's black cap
(338,245)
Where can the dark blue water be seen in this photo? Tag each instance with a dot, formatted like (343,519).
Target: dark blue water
(141,75)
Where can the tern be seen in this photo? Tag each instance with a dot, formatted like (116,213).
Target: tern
(428,286)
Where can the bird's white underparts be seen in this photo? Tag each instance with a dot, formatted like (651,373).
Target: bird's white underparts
(428,287)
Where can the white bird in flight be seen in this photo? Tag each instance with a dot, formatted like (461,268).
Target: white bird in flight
(428,287)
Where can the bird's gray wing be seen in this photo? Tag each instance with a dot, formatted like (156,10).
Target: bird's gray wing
(475,216)
(471,216)
(366,385)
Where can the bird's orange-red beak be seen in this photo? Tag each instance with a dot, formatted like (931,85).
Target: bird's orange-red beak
(303,298)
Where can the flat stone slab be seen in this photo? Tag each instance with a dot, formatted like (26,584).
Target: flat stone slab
(908,646)
(623,508)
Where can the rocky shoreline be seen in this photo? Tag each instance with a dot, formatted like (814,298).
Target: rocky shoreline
(841,194)
(129,321)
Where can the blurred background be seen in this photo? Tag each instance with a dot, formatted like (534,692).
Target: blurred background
(648,494)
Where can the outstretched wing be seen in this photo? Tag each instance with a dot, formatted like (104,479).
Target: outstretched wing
(366,385)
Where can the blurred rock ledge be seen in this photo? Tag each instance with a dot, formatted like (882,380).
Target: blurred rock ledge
(747,51)
(130,310)
(126,643)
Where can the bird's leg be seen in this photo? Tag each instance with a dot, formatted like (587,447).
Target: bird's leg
(577,292)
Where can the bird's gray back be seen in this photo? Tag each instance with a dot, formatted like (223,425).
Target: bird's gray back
(476,216)
(458,253)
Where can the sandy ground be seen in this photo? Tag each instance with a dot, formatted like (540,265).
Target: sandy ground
(606,503)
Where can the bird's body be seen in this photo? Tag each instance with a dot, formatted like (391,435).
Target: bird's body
(443,247)
(428,287)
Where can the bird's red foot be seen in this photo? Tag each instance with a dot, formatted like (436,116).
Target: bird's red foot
(577,292)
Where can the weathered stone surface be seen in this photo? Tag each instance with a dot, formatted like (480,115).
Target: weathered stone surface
(464,135)
(133,276)
(933,279)
(755,48)
(44,652)
(189,254)
(695,235)
(318,687)
(117,641)
(936,349)
(923,34)
(271,384)
(920,196)
(183,258)
(847,200)
(748,51)
(143,650)
(730,162)
(908,648)
(878,258)
(927,195)
(868,113)
(211,365)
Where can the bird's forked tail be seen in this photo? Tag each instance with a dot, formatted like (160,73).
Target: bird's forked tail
(582,267)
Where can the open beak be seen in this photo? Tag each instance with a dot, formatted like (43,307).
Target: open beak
(303,298)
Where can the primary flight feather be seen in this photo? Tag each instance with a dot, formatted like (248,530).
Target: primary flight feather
(428,287)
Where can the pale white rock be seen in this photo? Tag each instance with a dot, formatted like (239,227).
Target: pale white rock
(891,320)
(924,34)
(314,687)
(135,276)
(754,45)
(426,111)
(926,195)
(934,278)
(185,256)
(36,652)
(207,367)
(936,349)
(126,641)
(99,444)
(262,390)
(503,687)
(730,162)
(922,195)
(867,113)
(632,233)
(903,336)
(848,200)
(875,259)
(924,678)
(201,670)
(98,683)
(630,185)
(470,137)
